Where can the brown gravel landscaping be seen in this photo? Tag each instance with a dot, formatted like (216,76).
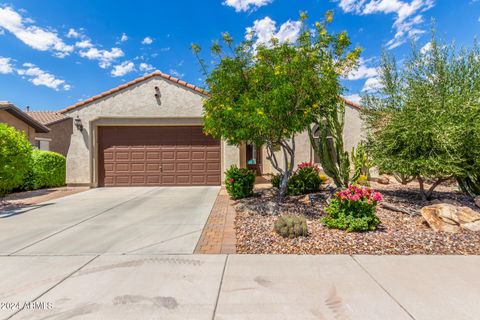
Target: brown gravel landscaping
(398,234)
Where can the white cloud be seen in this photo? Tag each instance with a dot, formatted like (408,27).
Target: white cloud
(363,72)
(32,35)
(265,29)
(146,67)
(408,15)
(72,33)
(5,65)
(124,37)
(426,48)
(84,44)
(371,84)
(104,57)
(176,73)
(40,77)
(123,68)
(246,5)
(147,40)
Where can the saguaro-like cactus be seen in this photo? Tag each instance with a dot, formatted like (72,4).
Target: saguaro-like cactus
(329,146)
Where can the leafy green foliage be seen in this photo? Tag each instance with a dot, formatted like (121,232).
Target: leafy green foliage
(291,226)
(47,170)
(15,157)
(275,181)
(424,119)
(353,209)
(239,182)
(267,93)
(329,147)
(361,162)
(306,179)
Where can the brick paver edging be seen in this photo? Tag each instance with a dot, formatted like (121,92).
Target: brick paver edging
(218,235)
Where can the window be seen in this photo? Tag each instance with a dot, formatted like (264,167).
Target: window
(43,144)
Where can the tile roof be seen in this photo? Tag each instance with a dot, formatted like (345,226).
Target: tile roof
(157,73)
(131,83)
(16,112)
(47,117)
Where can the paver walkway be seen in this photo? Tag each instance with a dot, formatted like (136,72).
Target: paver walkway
(218,235)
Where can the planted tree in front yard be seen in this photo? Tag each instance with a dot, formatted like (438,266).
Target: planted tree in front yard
(423,119)
(15,158)
(267,92)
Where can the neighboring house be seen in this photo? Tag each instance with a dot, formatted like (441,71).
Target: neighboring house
(20,120)
(61,128)
(149,132)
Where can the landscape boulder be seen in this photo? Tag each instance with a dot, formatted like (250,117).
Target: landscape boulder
(450,218)
(477,201)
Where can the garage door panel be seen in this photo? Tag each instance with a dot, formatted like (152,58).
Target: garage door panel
(158,156)
(138,167)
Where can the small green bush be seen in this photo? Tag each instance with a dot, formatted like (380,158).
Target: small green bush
(305,180)
(353,209)
(275,181)
(15,157)
(290,226)
(47,170)
(239,182)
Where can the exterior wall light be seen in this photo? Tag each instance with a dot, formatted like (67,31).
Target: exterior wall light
(157,93)
(78,123)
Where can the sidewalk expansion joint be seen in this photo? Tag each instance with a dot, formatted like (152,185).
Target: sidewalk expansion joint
(382,287)
(220,287)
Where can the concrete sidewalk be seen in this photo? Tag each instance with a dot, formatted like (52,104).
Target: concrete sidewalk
(240,287)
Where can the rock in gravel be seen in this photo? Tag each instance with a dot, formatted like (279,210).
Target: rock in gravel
(450,218)
(383,179)
(477,201)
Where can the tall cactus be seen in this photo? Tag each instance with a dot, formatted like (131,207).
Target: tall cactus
(361,162)
(329,147)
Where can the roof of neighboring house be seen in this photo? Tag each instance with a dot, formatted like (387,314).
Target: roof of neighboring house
(48,117)
(151,75)
(353,104)
(131,83)
(16,112)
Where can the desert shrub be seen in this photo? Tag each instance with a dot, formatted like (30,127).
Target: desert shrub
(353,209)
(15,156)
(239,182)
(290,226)
(275,181)
(47,170)
(306,179)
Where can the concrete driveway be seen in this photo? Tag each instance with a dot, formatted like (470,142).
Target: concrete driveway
(145,220)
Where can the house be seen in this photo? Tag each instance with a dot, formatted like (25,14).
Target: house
(61,128)
(149,132)
(20,120)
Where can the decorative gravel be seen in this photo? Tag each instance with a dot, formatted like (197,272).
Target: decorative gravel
(398,233)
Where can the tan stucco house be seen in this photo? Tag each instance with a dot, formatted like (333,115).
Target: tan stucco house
(20,120)
(61,129)
(149,132)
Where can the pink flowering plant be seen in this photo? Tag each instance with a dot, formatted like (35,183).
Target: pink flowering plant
(239,182)
(353,209)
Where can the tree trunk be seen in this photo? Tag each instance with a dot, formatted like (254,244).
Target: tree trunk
(288,150)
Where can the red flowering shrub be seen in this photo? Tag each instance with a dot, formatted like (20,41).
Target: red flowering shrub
(353,209)
(239,182)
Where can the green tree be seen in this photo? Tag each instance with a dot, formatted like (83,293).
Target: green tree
(422,121)
(267,93)
(15,158)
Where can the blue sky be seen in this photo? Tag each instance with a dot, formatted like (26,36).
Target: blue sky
(56,53)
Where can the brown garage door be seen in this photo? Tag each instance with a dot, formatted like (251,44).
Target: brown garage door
(155,156)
